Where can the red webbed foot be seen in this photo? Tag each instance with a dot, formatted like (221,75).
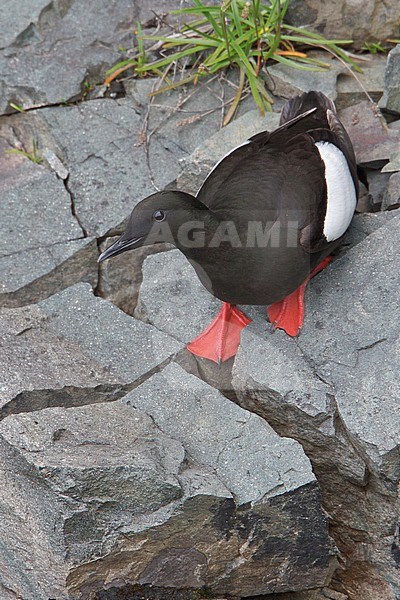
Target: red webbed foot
(220,341)
(288,314)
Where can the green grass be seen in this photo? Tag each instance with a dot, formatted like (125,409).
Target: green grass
(374,48)
(247,35)
(33,156)
(17,107)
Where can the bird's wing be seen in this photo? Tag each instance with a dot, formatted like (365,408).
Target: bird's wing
(271,178)
(281,175)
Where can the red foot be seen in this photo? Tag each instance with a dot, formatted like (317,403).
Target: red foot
(220,341)
(288,314)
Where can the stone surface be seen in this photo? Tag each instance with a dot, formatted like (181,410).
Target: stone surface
(50,49)
(172,297)
(240,449)
(377,186)
(74,349)
(391,198)
(374,143)
(391,98)
(126,347)
(364,224)
(111,167)
(32,557)
(131,505)
(287,82)
(33,274)
(270,473)
(351,86)
(356,20)
(182,119)
(333,390)
(42,245)
(66,465)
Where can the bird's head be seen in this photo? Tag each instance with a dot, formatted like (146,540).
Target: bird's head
(157,219)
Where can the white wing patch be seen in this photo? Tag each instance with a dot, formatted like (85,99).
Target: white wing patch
(342,197)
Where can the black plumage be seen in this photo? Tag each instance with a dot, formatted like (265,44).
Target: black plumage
(255,231)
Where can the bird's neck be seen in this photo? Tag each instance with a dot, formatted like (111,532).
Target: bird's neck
(195,231)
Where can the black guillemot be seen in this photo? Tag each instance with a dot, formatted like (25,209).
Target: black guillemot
(263,223)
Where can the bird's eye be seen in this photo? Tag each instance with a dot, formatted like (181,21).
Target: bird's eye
(159,215)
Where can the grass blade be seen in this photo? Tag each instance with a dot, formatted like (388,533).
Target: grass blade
(236,100)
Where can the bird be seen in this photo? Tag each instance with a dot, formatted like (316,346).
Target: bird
(264,222)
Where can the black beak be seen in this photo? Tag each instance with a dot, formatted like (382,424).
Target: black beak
(120,246)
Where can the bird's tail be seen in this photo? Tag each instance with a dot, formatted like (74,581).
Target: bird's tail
(305,102)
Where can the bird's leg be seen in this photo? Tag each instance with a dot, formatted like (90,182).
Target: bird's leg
(220,341)
(288,314)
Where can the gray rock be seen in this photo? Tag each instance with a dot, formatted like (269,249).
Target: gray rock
(74,349)
(251,460)
(391,98)
(351,87)
(16,23)
(172,297)
(31,275)
(107,163)
(51,48)
(374,143)
(364,224)
(335,389)
(287,81)
(72,475)
(391,198)
(394,163)
(42,245)
(181,119)
(346,20)
(39,368)
(32,556)
(126,347)
(377,185)
(257,467)
(131,505)
(43,195)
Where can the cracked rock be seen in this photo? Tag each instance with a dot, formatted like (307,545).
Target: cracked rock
(107,164)
(75,477)
(254,494)
(74,349)
(51,48)
(126,347)
(134,497)
(242,450)
(36,261)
